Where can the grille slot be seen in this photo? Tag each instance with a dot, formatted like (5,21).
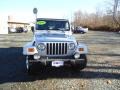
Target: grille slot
(56,48)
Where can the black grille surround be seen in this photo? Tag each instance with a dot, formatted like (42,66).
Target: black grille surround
(56,48)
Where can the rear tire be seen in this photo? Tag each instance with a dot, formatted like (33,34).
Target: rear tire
(79,65)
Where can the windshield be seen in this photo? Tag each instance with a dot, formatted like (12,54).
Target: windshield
(52,25)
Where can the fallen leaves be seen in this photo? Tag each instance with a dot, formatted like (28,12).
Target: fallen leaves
(109,82)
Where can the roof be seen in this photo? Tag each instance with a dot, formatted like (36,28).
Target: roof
(52,19)
(18,23)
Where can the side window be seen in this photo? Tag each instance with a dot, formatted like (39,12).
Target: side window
(67,26)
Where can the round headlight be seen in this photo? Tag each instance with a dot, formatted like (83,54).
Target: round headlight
(71,46)
(41,46)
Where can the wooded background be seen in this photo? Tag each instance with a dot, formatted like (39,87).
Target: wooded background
(104,19)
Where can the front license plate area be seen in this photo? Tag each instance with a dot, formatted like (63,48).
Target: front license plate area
(57,63)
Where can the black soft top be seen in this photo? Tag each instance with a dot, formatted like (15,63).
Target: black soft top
(53,19)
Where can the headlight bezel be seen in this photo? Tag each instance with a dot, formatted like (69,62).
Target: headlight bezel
(41,46)
(71,46)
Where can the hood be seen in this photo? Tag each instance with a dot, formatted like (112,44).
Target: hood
(53,37)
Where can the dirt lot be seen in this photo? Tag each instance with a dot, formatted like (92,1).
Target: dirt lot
(102,72)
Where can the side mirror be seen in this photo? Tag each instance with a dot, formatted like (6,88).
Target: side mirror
(32,28)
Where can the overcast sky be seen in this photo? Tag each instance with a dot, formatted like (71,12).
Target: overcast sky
(22,9)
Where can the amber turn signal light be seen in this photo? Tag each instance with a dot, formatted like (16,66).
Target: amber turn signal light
(30,49)
(81,49)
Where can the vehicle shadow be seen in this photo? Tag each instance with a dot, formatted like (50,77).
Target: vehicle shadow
(105,54)
(12,69)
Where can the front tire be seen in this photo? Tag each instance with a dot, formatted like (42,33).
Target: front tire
(79,65)
(29,66)
(33,67)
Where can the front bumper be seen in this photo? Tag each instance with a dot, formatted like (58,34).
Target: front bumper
(50,60)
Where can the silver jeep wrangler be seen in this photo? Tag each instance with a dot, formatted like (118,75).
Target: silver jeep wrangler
(53,45)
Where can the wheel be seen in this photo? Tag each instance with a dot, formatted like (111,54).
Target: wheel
(29,66)
(79,65)
(82,32)
(33,67)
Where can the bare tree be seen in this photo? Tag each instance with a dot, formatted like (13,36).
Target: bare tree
(115,12)
(103,17)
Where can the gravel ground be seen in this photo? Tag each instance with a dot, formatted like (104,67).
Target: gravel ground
(102,71)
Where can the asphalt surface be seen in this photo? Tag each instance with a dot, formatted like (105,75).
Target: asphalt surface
(102,71)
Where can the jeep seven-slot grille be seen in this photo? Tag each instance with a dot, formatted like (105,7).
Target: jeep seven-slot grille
(56,48)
